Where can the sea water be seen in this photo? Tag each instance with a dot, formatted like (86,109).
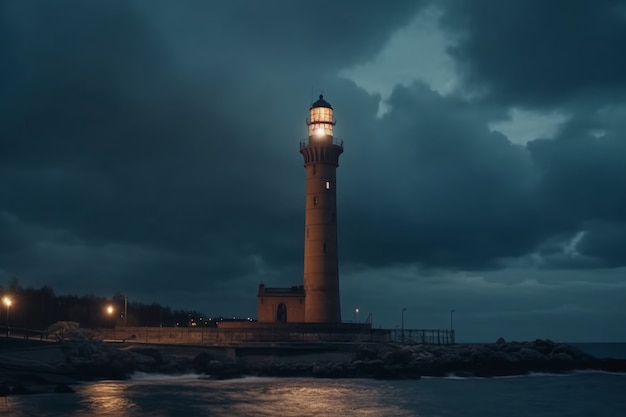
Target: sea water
(585,393)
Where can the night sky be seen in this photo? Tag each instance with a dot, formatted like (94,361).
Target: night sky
(151,148)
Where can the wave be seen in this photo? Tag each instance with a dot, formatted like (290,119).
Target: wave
(145,376)
(530,375)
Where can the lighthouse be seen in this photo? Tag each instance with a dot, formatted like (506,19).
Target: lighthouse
(321,152)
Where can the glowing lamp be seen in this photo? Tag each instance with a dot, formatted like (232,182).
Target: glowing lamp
(321,120)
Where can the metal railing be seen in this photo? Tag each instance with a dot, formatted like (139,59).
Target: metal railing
(423,336)
(333,141)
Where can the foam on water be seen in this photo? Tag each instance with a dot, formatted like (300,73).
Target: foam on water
(143,376)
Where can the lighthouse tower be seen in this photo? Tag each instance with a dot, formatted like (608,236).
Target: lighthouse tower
(321,272)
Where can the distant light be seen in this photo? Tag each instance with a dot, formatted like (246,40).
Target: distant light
(7,301)
(110,309)
(319,132)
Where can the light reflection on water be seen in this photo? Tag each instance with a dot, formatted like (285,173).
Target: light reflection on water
(107,398)
(239,397)
(575,395)
(310,398)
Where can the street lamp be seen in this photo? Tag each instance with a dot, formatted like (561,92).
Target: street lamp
(403,310)
(125,311)
(452,325)
(7,301)
(357,314)
(110,310)
(125,316)
(451,319)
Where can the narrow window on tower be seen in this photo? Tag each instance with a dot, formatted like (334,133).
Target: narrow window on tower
(328,185)
(315,201)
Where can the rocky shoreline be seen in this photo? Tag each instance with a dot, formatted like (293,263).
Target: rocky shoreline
(55,367)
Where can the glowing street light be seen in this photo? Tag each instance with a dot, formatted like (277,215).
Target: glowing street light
(356,312)
(109,310)
(7,301)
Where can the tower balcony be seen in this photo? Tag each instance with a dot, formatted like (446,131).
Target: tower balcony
(313,141)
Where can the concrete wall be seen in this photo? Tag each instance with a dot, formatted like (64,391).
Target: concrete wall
(217,336)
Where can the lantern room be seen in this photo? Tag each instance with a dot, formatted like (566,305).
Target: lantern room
(321,120)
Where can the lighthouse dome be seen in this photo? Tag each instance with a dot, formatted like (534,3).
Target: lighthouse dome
(321,103)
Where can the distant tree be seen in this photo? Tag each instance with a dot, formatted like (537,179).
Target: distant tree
(39,308)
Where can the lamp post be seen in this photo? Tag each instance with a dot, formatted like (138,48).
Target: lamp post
(402,337)
(110,310)
(117,297)
(356,311)
(452,325)
(7,301)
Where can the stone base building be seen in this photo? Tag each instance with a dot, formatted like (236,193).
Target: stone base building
(281,305)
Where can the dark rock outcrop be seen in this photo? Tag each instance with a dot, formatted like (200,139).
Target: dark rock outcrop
(92,360)
(63,389)
(20,390)
(205,363)
(488,360)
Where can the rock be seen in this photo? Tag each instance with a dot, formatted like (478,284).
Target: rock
(401,356)
(63,389)
(153,353)
(68,330)
(365,354)
(529,354)
(544,346)
(500,341)
(201,362)
(20,390)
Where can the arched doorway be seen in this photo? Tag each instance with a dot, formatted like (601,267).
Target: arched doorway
(281,313)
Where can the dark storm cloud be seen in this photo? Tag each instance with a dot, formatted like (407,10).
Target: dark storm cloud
(540,52)
(443,190)
(583,175)
(605,241)
(153,135)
